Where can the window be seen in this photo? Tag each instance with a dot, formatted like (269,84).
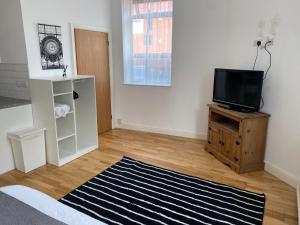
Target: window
(147,41)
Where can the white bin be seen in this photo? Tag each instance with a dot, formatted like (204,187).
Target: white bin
(28,148)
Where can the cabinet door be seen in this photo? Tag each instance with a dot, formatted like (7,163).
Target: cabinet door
(231,146)
(226,143)
(236,149)
(214,138)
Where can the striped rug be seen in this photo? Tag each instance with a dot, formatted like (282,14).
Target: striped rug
(133,192)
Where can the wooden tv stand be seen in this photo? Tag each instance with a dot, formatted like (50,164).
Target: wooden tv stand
(236,138)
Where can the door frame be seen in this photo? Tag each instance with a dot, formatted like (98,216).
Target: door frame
(111,74)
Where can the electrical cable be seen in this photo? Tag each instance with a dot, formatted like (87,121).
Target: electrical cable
(266,74)
(262,103)
(256,57)
(265,47)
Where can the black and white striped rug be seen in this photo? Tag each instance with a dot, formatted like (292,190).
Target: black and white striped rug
(133,192)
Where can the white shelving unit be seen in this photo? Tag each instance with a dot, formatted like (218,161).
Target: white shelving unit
(70,137)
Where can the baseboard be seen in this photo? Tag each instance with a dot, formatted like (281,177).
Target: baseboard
(298,198)
(145,128)
(281,174)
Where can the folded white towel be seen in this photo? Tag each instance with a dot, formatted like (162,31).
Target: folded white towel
(61,110)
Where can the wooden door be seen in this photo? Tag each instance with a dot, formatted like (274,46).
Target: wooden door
(92,56)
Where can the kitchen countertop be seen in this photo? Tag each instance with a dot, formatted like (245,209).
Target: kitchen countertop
(6,102)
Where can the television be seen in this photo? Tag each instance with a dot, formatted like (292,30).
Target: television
(238,89)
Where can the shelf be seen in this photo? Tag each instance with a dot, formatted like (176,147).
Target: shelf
(64,99)
(65,93)
(78,125)
(71,112)
(83,147)
(67,147)
(65,126)
(65,137)
(61,87)
(64,153)
(228,126)
(224,122)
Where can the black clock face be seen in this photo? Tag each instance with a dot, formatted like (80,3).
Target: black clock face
(51,48)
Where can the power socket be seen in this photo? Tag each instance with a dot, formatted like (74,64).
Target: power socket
(258,42)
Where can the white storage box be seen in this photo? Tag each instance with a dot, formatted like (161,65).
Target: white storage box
(28,148)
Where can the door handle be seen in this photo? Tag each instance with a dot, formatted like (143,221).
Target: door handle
(75,95)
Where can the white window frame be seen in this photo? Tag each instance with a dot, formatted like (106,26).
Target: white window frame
(127,44)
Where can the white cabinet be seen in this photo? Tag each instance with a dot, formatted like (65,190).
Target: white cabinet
(74,135)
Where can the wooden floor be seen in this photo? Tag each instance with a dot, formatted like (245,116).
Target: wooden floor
(180,154)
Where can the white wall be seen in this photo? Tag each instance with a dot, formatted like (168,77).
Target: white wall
(13,77)
(281,88)
(14,81)
(94,13)
(209,34)
(12,42)
(13,63)
(181,109)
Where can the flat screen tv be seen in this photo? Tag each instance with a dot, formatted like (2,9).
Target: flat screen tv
(238,89)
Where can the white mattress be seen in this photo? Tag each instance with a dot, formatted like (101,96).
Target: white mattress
(49,206)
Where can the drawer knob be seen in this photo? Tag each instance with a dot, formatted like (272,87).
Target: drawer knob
(237,143)
(236,159)
(209,128)
(209,142)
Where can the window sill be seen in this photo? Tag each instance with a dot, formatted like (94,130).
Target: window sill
(148,85)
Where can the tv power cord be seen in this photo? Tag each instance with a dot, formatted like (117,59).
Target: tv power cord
(265,47)
(258,43)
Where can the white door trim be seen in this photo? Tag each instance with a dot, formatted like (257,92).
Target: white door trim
(111,74)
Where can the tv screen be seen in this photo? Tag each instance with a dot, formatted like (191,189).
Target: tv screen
(240,89)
